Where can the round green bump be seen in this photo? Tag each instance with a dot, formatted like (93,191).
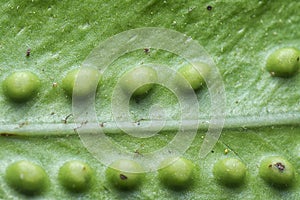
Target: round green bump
(176,173)
(89,77)
(26,177)
(194,75)
(138,81)
(76,176)
(125,174)
(21,86)
(277,171)
(284,62)
(230,172)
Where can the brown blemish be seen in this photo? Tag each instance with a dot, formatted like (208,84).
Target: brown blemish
(280,166)
(7,134)
(101,124)
(146,50)
(123,177)
(28,52)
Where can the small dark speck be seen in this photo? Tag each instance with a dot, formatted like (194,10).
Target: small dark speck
(138,122)
(279,166)
(209,8)
(147,50)
(123,177)
(298,59)
(213,151)
(28,52)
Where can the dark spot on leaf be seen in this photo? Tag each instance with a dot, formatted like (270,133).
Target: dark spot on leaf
(298,59)
(212,151)
(7,134)
(101,124)
(209,8)
(28,52)
(123,177)
(147,50)
(279,166)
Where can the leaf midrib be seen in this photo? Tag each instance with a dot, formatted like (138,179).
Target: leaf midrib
(232,122)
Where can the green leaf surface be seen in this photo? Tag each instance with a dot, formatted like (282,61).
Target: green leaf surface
(262,112)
